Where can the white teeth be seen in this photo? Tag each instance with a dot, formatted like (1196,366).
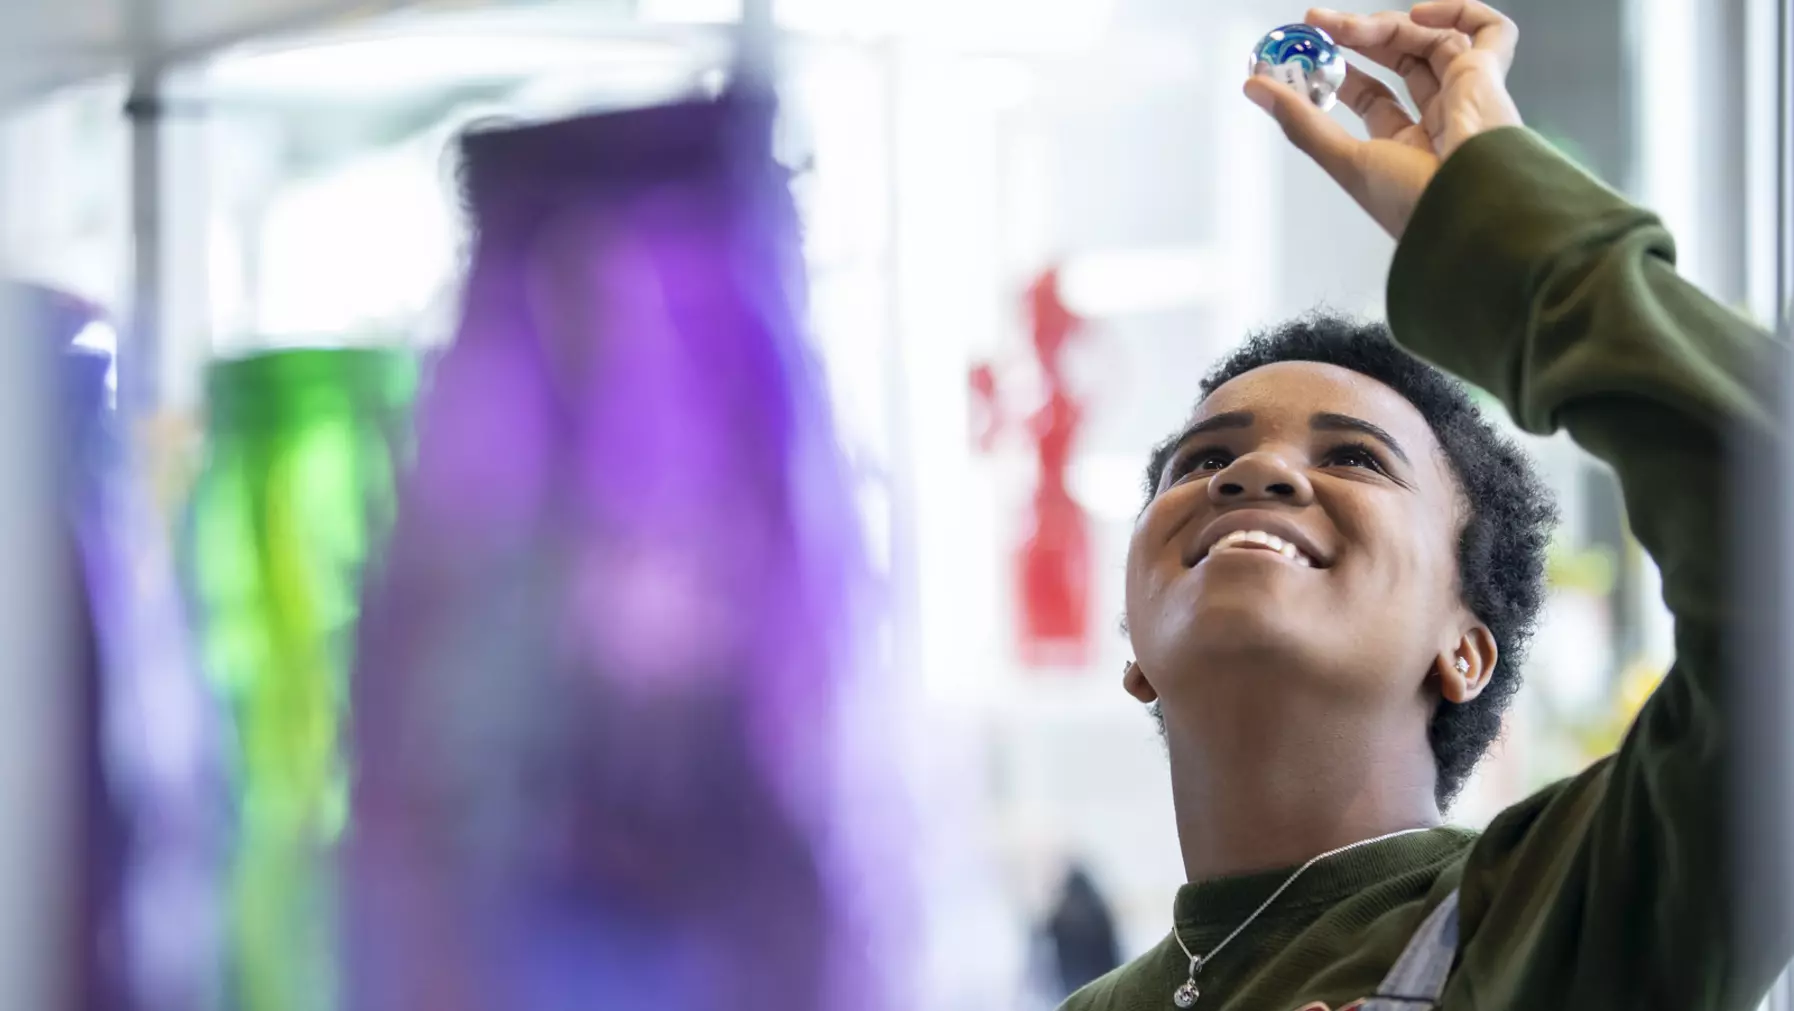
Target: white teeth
(1272,541)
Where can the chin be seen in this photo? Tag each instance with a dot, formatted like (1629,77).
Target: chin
(1251,623)
(1239,616)
(1237,626)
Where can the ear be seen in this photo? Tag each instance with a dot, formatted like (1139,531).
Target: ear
(1134,680)
(1465,669)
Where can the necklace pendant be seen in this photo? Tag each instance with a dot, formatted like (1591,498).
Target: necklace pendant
(1186,995)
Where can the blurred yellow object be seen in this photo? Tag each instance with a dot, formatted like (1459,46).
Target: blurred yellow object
(1637,683)
(1587,570)
(1601,735)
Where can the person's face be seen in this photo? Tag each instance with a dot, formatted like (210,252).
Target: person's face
(1304,533)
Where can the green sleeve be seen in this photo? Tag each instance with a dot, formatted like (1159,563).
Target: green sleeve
(1525,276)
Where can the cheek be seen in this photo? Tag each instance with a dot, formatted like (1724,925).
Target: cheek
(1139,563)
(1165,518)
(1407,554)
(1151,555)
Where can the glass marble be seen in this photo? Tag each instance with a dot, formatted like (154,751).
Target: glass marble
(1303,57)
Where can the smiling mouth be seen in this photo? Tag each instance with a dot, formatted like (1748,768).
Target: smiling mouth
(1259,540)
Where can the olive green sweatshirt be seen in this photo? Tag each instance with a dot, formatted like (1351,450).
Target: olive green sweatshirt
(1527,277)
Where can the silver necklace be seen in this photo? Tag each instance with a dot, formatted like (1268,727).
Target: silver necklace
(1185,996)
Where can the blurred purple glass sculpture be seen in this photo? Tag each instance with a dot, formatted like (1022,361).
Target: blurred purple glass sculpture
(598,756)
(149,819)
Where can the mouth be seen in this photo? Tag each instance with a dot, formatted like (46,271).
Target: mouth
(1259,531)
(1260,541)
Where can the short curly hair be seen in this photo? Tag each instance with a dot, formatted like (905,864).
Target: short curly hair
(1509,514)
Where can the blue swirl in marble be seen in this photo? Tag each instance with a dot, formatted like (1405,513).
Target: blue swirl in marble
(1311,50)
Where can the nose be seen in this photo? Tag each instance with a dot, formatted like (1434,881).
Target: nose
(1260,476)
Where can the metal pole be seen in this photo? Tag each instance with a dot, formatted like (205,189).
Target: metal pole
(1761,799)
(139,352)
(1782,997)
(1784,170)
(757,39)
(1770,850)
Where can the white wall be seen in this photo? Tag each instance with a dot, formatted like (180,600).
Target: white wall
(1134,156)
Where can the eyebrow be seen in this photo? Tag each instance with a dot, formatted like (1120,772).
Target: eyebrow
(1322,421)
(1220,422)
(1327,422)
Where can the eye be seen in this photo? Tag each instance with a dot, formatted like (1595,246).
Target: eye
(1354,456)
(1202,461)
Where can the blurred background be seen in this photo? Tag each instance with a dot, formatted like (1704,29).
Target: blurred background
(1005,205)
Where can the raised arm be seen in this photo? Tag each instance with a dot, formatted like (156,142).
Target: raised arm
(1527,277)
(1522,274)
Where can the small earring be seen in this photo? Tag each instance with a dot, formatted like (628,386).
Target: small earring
(1461,665)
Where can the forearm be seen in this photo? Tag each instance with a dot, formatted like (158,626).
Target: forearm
(1525,276)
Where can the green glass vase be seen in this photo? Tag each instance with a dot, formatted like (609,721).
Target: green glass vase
(294,499)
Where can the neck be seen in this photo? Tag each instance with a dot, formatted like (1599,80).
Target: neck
(1259,794)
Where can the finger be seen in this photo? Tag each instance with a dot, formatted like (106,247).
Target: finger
(1392,39)
(1488,28)
(1374,39)
(1382,112)
(1315,133)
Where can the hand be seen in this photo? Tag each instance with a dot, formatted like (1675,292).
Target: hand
(1454,57)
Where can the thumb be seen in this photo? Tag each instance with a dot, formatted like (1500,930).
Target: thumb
(1317,134)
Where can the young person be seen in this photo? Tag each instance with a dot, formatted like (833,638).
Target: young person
(1329,587)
